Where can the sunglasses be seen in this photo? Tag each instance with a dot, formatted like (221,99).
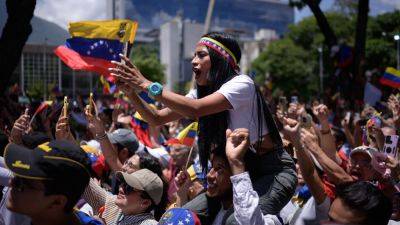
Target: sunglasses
(128,189)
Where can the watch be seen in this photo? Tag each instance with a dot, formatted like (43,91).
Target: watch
(155,89)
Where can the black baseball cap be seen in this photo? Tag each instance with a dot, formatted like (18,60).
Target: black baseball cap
(53,160)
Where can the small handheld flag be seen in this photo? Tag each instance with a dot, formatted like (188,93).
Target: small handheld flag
(188,135)
(41,107)
(391,78)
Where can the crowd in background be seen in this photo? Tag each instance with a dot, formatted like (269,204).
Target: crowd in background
(342,165)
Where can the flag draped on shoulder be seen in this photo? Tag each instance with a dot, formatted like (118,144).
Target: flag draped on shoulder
(93,44)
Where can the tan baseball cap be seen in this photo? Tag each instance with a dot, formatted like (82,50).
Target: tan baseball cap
(144,180)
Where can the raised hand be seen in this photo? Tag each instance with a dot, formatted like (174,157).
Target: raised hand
(321,112)
(394,106)
(237,143)
(63,131)
(183,182)
(291,129)
(345,123)
(308,140)
(21,125)
(95,125)
(129,74)
(383,164)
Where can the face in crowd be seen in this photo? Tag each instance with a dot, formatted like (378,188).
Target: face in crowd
(179,154)
(28,197)
(218,178)
(132,201)
(132,164)
(360,167)
(201,64)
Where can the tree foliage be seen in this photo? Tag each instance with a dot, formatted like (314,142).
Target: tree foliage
(145,57)
(292,62)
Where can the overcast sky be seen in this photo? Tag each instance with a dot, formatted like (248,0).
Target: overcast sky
(64,11)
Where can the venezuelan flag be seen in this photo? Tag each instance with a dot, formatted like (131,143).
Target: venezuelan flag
(141,128)
(43,106)
(188,135)
(391,78)
(108,86)
(93,44)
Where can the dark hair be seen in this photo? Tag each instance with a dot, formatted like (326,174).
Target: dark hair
(69,183)
(366,199)
(212,128)
(147,161)
(121,147)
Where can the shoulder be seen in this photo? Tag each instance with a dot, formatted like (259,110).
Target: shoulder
(239,82)
(241,79)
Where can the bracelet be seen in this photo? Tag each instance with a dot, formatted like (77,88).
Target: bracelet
(325,132)
(101,136)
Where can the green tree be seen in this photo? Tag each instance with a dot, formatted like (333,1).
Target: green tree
(145,57)
(292,73)
(296,54)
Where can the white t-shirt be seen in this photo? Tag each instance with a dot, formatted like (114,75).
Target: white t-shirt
(241,94)
(312,211)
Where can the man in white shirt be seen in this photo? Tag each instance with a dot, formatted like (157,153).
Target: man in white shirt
(230,184)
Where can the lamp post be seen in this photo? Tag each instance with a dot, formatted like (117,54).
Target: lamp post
(397,39)
(321,70)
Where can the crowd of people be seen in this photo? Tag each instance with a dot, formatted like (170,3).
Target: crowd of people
(252,159)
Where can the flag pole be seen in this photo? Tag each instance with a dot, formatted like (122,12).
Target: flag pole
(189,157)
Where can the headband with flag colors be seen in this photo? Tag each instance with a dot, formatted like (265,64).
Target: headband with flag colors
(220,49)
(188,135)
(93,44)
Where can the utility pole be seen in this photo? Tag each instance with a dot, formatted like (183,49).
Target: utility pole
(397,39)
(113,9)
(209,15)
(44,70)
(180,17)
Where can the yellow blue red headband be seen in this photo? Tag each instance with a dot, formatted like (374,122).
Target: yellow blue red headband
(220,49)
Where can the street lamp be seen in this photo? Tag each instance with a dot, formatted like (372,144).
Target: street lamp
(397,39)
(321,70)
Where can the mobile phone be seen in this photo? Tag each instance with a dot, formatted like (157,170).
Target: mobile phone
(283,103)
(91,103)
(306,121)
(294,99)
(65,109)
